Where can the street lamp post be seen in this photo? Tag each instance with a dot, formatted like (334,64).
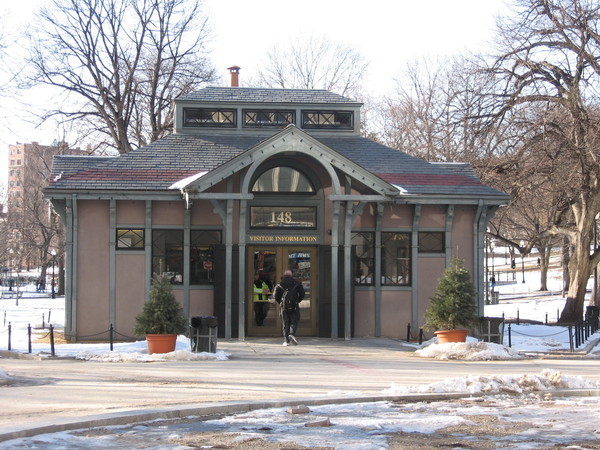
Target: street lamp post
(523,261)
(53,253)
(492,248)
(10,262)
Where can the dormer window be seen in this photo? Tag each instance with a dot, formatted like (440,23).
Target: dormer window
(328,120)
(267,118)
(209,117)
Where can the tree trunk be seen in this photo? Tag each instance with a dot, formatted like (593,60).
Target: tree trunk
(566,259)
(580,269)
(544,262)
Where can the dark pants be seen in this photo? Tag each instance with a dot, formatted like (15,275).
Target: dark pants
(261,309)
(289,320)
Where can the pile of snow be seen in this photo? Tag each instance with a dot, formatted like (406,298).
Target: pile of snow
(5,379)
(177,355)
(547,380)
(137,352)
(469,351)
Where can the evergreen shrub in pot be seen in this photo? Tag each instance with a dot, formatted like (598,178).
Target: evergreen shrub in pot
(162,318)
(453,306)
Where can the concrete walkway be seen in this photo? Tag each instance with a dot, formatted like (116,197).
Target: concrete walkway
(54,394)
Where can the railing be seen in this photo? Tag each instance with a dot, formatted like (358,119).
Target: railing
(111,334)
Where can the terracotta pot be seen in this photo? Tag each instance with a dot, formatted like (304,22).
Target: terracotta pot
(445,336)
(161,343)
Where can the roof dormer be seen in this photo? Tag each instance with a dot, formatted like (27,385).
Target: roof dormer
(248,110)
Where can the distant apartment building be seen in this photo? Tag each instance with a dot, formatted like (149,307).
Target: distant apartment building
(29,165)
(28,172)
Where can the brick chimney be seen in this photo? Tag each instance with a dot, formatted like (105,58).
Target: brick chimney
(235,75)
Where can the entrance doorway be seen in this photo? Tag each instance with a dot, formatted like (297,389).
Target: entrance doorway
(270,263)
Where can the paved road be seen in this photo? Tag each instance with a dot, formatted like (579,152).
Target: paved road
(50,393)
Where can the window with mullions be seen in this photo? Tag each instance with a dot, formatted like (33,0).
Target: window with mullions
(130,239)
(328,120)
(167,254)
(205,117)
(267,118)
(283,179)
(363,249)
(432,242)
(395,259)
(202,262)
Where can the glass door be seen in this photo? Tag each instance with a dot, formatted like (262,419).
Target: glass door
(266,267)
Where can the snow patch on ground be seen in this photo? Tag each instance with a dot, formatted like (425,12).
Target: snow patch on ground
(469,351)
(547,380)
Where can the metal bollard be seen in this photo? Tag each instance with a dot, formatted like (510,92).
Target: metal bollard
(111,332)
(9,336)
(509,336)
(571,346)
(420,336)
(408,332)
(29,337)
(52,352)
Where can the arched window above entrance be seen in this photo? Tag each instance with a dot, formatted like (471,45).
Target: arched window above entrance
(283,179)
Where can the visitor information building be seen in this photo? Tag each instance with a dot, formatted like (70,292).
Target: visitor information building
(257,181)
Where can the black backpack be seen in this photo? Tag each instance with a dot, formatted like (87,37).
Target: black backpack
(289,299)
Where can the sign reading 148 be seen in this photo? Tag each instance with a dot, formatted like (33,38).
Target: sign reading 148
(281,217)
(288,217)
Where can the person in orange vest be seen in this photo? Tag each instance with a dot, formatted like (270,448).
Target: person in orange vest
(260,298)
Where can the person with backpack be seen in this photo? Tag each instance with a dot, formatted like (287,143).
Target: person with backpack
(288,295)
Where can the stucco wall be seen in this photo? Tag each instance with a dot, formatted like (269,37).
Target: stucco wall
(398,216)
(168,213)
(130,212)
(130,290)
(92,267)
(364,317)
(201,302)
(430,271)
(395,313)
(433,216)
(202,213)
(462,234)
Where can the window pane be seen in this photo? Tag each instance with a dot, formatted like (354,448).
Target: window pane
(282,179)
(128,238)
(329,120)
(167,254)
(431,242)
(363,252)
(202,244)
(268,118)
(204,117)
(396,262)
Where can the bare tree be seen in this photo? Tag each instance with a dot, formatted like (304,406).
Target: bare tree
(120,63)
(436,113)
(440,113)
(315,63)
(550,59)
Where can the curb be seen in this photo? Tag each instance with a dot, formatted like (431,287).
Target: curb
(219,408)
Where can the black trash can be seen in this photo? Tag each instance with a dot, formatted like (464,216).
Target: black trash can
(203,334)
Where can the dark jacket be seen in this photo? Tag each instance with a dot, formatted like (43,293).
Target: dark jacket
(286,284)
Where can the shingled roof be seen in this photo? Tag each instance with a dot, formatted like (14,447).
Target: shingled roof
(239,95)
(159,165)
